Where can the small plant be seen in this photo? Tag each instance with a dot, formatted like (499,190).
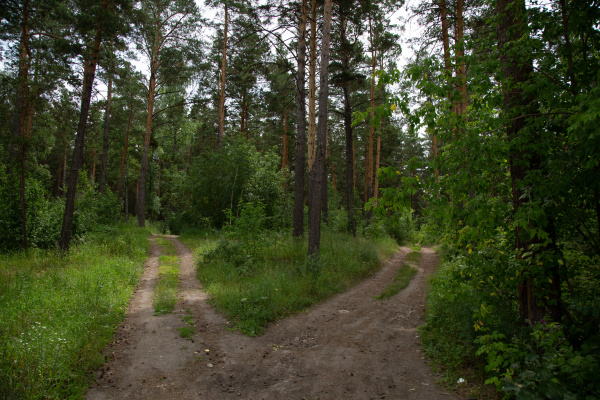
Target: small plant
(186,332)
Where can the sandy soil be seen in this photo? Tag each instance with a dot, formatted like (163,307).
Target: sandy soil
(350,347)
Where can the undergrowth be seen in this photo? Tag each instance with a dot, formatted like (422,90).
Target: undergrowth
(58,312)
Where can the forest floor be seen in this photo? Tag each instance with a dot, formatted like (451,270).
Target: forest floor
(349,347)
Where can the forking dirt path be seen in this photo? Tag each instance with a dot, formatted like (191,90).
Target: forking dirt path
(350,347)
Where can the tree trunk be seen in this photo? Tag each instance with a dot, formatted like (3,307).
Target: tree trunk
(523,161)
(324,188)
(312,86)
(317,173)
(141,203)
(566,35)
(221,123)
(349,188)
(77,162)
(243,129)
(284,140)
(377,157)
(105,138)
(93,169)
(124,159)
(349,158)
(369,158)
(461,71)
(298,229)
(446,46)
(20,118)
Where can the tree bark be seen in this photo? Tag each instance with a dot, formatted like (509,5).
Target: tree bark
(221,123)
(324,188)
(105,138)
(124,158)
(284,140)
(141,203)
(461,71)
(377,158)
(312,86)
(298,228)
(369,157)
(517,69)
(317,173)
(77,162)
(20,118)
(349,188)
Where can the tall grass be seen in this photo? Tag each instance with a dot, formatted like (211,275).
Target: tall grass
(58,312)
(274,280)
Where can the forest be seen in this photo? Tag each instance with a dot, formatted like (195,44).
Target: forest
(273,126)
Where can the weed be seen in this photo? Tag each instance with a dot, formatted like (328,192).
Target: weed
(186,332)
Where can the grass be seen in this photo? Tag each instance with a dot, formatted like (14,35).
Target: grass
(186,332)
(167,248)
(403,276)
(166,289)
(254,288)
(58,312)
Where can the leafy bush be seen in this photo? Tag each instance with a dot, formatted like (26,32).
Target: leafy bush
(237,174)
(542,365)
(45,214)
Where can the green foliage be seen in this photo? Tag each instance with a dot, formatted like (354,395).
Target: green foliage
(44,215)
(231,177)
(59,311)
(275,280)
(542,365)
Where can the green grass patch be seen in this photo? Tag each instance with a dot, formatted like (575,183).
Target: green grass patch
(167,248)
(58,312)
(166,289)
(186,332)
(403,276)
(274,280)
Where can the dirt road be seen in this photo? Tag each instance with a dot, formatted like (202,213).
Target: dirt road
(350,347)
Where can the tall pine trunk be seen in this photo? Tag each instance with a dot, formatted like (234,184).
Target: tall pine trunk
(349,187)
(317,173)
(88,84)
(105,136)
(221,122)
(298,228)
(538,275)
(141,202)
(369,156)
(124,158)
(312,86)
(19,120)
